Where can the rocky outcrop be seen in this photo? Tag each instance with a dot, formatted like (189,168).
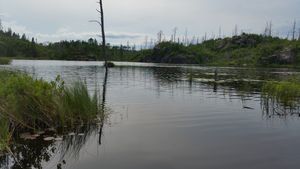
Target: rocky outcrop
(244,40)
(167,52)
(285,56)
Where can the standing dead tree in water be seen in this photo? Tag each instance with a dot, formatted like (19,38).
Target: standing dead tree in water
(101,24)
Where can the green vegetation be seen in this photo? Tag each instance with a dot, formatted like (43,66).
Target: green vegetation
(4,61)
(5,135)
(168,52)
(28,104)
(285,92)
(243,50)
(15,46)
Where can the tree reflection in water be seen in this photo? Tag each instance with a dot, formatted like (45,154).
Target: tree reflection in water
(244,85)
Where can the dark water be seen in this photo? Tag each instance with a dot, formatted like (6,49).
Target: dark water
(169,117)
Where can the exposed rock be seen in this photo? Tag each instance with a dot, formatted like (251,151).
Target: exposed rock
(167,52)
(285,56)
(244,40)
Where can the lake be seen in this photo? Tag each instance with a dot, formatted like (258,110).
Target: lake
(169,117)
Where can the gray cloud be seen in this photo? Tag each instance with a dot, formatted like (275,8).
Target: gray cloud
(67,34)
(138,18)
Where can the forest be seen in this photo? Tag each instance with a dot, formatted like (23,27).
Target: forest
(239,50)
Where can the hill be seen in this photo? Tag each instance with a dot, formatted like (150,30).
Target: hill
(243,50)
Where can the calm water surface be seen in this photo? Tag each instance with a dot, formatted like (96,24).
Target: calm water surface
(170,117)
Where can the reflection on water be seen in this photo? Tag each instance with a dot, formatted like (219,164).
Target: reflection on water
(168,116)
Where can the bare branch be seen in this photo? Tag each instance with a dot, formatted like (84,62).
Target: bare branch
(95,21)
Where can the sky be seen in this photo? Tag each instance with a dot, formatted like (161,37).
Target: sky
(134,20)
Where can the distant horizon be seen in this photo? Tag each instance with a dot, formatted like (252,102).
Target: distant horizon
(140,18)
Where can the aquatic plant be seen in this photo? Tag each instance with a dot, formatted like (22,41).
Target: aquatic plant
(77,105)
(4,61)
(34,104)
(4,133)
(288,93)
(281,98)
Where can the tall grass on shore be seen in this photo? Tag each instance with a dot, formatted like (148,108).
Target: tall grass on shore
(5,135)
(4,61)
(28,104)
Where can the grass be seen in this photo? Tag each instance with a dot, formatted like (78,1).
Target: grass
(285,92)
(4,133)
(77,105)
(4,61)
(34,104)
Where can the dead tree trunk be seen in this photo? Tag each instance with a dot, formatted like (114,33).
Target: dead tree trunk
(299,34)
(1,27)
(103,33)
(270,29)
(101,24)
(294,30)
(174,35)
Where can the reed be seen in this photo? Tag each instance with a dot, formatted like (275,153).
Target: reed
(285,92)
(4,133)
(34,104)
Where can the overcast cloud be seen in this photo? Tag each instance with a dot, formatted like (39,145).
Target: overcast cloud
(132,20)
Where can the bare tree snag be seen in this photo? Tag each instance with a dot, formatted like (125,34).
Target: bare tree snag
(159,36)
(101,24)
(294,31)
(299,34)
(174,34)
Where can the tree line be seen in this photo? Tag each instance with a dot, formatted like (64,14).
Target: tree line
(15,45)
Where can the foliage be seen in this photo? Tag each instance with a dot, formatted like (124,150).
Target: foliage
(14,45)
(4,61)
(286,92)
(4,133)
(242,50)
(34,104)
(169,52)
